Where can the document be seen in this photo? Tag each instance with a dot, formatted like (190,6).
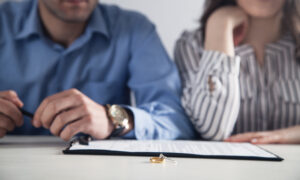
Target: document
(177,148)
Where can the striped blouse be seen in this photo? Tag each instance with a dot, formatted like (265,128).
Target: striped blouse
(246,96)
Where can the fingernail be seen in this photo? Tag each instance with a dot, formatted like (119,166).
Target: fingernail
(37,124)
(18,102)
(254,140)
(34,123)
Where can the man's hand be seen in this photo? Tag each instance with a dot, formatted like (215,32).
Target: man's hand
(10,115)
(70,112)
(283,136)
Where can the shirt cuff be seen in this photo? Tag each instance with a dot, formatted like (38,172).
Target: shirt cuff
(215,60)
(141,119)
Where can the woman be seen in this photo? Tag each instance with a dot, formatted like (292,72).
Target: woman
(241,71)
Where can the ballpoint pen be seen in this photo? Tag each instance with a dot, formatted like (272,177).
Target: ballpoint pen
(26,113)
(79,137)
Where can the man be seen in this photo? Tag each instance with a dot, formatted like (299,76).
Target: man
(66,59)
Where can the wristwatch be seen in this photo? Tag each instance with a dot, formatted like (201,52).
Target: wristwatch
(119,117)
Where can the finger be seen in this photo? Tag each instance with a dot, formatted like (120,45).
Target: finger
(62,119)
(11,96)
(58,106)
(267,139)
(239,137)
(11,111)
(245,137)
(72,129)
(246,27)
(238,34)
(6,123)
(2,132)
(40,110)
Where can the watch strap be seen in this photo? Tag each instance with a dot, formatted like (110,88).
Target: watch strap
(117,129)
(116,132)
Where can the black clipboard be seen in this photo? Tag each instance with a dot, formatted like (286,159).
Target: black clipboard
(91,151)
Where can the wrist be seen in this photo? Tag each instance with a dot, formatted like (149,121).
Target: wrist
(220,29)
(290,135)
(111,126)
(219,37)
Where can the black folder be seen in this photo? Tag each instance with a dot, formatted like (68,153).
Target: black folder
(177,148)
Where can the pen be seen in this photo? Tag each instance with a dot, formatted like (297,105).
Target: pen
(26,113)
(82,138)
(79,137)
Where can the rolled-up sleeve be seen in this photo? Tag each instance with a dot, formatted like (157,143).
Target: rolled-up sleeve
(211,88)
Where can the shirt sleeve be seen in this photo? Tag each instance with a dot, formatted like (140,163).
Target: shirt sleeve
(213,112)
(155,83)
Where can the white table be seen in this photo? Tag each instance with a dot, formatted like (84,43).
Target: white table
(38,157)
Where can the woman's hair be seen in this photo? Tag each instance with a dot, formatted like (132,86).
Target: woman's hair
(290,20)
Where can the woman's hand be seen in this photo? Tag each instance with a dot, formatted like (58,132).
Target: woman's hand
(283,136)
(226,28)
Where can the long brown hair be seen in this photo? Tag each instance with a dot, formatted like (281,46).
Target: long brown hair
(290,20)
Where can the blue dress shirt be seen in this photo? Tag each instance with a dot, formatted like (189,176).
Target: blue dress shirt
(118,52)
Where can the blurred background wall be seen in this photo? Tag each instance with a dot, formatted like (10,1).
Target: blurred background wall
(171,17)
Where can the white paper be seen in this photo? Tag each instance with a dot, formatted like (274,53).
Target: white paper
(210,148)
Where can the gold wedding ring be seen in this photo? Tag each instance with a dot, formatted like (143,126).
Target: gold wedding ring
(161,159)
(157,159)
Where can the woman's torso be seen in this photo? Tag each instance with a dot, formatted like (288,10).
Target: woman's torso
(269,94)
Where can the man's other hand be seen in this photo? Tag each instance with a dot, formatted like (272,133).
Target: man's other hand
(70,112)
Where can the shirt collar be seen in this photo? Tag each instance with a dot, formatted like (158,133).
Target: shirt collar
(97,23)
(285,43)
(32,25)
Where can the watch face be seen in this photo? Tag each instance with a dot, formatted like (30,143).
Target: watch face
(118,114)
